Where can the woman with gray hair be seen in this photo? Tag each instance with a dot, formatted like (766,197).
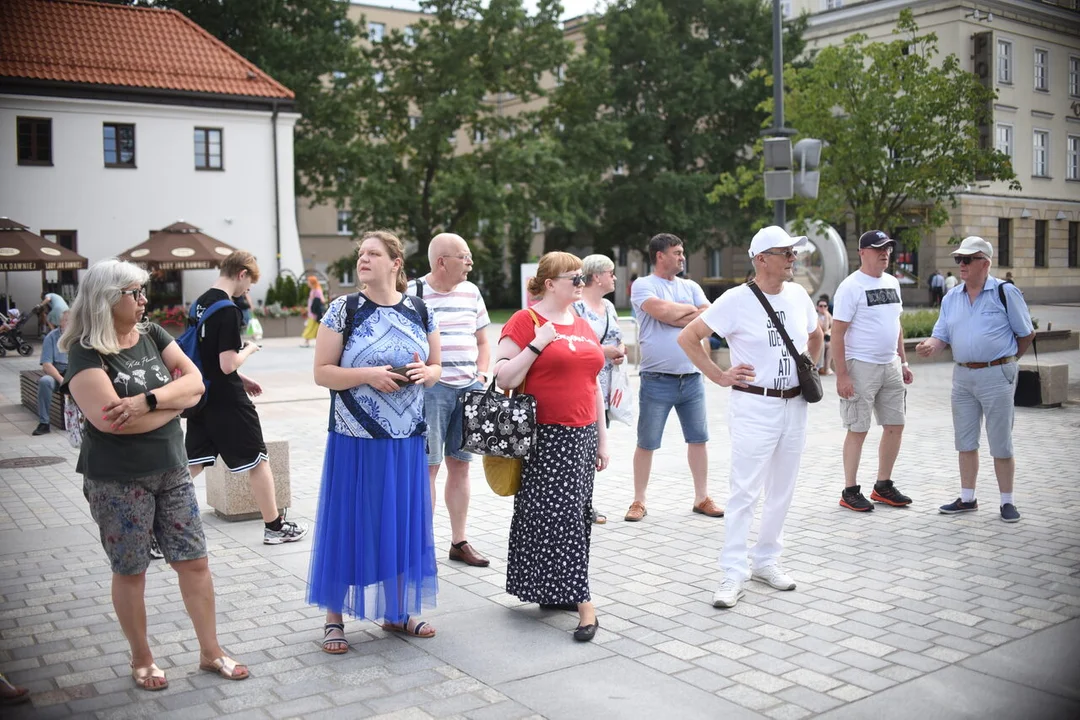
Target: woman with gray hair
(599,272)
(132,458)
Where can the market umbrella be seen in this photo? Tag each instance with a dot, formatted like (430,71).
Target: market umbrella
(180,246)
(22,250)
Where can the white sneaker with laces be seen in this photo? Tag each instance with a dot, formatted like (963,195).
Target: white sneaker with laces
(774,576)
(728,593)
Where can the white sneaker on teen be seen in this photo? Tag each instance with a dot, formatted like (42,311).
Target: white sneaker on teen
(774,576)
(728,593)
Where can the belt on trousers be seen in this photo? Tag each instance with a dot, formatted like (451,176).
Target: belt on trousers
(992,363)
(769,392)
(671,375)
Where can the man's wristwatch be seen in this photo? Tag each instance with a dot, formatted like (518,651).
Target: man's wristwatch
(151,400)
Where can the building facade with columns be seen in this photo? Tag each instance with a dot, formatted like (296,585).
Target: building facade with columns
(1028,51)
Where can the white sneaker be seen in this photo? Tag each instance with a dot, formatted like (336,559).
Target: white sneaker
(728,593)
(774,576)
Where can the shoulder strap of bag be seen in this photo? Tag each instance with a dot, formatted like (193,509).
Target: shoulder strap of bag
(422,310)
(1001,296)
(420,287)
(775,320)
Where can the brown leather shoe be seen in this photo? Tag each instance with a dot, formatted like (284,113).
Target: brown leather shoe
(708,507)
(636,512)
(463,552)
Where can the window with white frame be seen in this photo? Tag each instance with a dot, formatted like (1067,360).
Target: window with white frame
(1042,61)
(344,217)
(832,4)
(1005,139)
(1040,153)
(560,74)
(479,137)
(1004,61)
(785,8)
(714,263)
(1074,76)
(537,224)
(414,122)
(409,34)
(1072,159)
(378,77)
(376,31)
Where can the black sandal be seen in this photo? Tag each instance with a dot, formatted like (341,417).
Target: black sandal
(598,517)
(329,628)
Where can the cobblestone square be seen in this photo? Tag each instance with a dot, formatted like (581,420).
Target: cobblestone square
(898,612)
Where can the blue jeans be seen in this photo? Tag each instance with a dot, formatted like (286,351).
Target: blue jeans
(659,394)
(444,415)
(46,386)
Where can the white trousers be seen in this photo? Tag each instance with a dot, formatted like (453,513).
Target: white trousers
(767,440)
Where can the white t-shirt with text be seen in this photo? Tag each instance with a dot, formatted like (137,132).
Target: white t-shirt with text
(873,307)
(739,318)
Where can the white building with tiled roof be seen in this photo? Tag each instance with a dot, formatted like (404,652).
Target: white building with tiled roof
(115,121)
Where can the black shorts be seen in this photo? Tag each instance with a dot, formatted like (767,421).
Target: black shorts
(232,431)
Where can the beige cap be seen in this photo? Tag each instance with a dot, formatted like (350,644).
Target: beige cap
(974,244)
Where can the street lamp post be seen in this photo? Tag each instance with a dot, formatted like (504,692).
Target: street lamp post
(778,129)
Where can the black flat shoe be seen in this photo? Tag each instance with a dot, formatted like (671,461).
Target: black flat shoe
(585,633)
(559,606)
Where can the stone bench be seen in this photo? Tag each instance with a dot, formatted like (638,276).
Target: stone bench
(28,394)
(230,493)
(1054,380)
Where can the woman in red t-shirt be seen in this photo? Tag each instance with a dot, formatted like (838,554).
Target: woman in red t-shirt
(548,560)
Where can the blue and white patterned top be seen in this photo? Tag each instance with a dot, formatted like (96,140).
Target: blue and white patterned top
(382,335)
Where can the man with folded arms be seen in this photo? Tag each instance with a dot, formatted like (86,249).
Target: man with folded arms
(767,414)
(987,337)
(871,369)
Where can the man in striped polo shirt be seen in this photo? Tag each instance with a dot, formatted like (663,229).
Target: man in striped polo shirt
(462,317)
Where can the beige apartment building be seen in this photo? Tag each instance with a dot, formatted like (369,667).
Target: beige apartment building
(1029,52)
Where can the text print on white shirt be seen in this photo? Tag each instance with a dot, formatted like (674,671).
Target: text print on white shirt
(783,370)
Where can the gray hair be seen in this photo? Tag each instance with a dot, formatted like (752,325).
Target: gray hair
(594,265)
(91,322)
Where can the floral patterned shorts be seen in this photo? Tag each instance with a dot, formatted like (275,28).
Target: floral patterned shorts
(129,513)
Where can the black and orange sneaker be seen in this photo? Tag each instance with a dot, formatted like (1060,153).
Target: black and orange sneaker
(886,492)
(853,499)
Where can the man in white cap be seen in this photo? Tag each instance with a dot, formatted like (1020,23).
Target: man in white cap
(767,416)
(988,326)
(871,369)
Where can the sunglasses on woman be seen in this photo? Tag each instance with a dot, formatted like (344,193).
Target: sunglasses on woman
(578,279)
(136,293)
(966,259)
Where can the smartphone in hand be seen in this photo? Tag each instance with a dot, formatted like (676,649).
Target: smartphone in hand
(402,371)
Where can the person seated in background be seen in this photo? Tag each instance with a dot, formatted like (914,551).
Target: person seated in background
(54,364)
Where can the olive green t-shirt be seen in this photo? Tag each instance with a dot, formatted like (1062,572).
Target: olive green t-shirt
(134,371)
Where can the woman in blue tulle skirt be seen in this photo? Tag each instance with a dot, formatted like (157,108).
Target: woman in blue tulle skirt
(373,554)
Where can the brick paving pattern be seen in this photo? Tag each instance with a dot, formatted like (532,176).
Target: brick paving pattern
(885,600)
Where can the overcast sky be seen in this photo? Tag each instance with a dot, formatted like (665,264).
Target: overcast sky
(571,8)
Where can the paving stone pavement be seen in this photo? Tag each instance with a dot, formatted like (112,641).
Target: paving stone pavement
(899,612)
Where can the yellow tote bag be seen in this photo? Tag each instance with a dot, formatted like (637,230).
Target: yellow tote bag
(503,474)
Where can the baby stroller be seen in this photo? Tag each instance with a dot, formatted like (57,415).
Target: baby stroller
(11,336)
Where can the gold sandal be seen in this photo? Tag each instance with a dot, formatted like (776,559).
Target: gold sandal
(227,668)
(143,675)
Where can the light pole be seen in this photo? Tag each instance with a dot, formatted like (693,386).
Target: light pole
(778,129)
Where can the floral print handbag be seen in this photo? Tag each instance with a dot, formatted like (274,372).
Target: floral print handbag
(497,424)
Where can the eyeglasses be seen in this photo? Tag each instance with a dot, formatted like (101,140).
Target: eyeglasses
(135,294)
(966,259)
(465,257)
(577,279)
(789,254)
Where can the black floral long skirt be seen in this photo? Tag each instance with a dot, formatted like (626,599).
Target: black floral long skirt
(548,560)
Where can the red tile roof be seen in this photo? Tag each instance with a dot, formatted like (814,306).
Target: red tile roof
(116,45)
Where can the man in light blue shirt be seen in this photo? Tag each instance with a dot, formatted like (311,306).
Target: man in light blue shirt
(53,366)
(987,323)
(664,304)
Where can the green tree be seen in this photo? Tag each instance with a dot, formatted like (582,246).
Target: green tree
(901,130)
(424,92)
(300,43)
(676,81)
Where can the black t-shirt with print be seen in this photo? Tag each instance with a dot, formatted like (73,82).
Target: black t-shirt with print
(134,371)
(220,333)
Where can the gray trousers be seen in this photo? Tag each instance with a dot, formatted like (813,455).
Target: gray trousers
(46,386)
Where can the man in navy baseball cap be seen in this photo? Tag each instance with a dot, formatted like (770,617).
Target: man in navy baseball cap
(875,239)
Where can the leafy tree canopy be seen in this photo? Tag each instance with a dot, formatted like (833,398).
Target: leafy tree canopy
(681,84)
(901,129)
